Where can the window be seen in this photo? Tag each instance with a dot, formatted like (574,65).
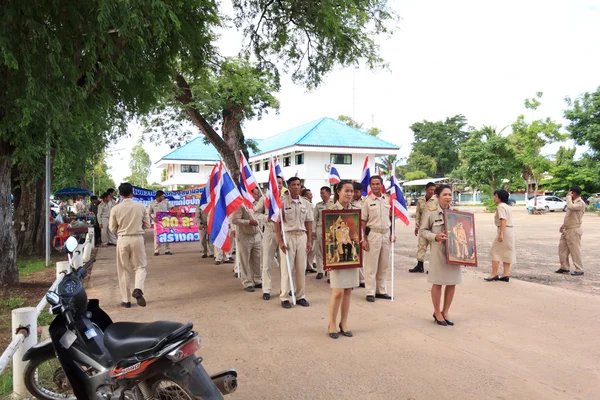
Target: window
(190,168)
(300,159)
(341,158)
(257,167)
(266,165)
(287,161)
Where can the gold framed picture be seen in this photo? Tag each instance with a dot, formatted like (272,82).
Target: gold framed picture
(461,246)
(341,239)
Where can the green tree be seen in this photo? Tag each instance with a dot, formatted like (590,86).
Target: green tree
(567,172)
(487,158)
(99,176)
(584,120)
(373,131)
(440,140)
(386,165)
(418,161)
(139,164)
(528,140)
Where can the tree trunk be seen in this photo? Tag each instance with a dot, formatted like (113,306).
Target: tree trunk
(234,137)
(492,185)
(535,195)
(8,252)
(30,214)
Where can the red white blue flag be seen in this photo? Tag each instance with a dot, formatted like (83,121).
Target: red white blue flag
(365,177)
(272,200)
(247,182)
(278,170)
(227,200)
(205,199)
(398,203)
(334,175)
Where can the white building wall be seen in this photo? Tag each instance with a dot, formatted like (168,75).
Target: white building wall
(175,177)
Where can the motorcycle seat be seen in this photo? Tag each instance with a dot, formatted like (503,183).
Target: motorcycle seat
(125,339)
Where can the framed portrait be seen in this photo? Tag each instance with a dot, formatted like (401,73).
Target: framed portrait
(461,246)
(341,239)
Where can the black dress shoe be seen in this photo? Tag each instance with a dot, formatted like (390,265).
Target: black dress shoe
(347,334)
(371,299)
(235,275)
(303,303)
(168,253)
(442,323)
(258,286)
(139,296)
(218,262)
(383,296)
(249,289)
(266,296)
(334,335)
(448,321)
(493,278)
(319,275)
(125,305)
(311,271)
(285,304)
(577,273)
(418,268)
(155,254)
(204,256)
(504,279)
(362,285)
(562,271)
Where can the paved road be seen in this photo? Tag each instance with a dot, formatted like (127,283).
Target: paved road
(519,340)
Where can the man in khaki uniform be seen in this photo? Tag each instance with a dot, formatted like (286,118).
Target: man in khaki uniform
(159,204)
(318,227)
(269,245)
(249,248)
(129,219)
(310,258)
(104,208)
(356,204)
(570,239)
(423,243)
(297,224)
(376,220)
(201,220)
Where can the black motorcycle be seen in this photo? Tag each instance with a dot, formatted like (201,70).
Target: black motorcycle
(89,357)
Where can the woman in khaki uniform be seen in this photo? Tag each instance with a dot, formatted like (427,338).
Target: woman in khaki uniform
(440,272)
(342,280)
(503,248)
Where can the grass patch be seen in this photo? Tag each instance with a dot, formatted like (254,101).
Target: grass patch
(31,265)
(6,382)
(45,318)
(14,302)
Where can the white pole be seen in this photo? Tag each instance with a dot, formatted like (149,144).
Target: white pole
(23,317)
(47,202)
(289,267)
(60,267)
(89,239)
(237,256)
(393,248)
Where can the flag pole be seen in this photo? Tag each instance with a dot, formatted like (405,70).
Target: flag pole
(393,249)
(289,267)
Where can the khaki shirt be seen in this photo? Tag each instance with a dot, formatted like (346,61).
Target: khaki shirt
(356,204)
(201,218)
(261,214)
(421,210)
(318,214)
(103,211)
(295,214)
(432,224)
(129,218)
(376,211)
(575,211)
(242,217)
(155,207)
(503,212)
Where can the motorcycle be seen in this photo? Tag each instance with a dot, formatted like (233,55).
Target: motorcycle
(89,357)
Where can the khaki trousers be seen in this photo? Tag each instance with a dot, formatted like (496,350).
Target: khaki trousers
(166,248)
(318,246)
(131,257)
(206,247)
(107,236)
(220,255)
(422,248)
(310,257)
(296,251)
(570,243)
(269,252)
(249,249)
(377,263)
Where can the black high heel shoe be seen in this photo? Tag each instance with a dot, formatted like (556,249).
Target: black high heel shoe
(494,278)
(442,323)
(333,335)
(504,279)
(449,322)
(347,334)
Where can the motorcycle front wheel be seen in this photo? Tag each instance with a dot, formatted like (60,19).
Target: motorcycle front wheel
(46,380)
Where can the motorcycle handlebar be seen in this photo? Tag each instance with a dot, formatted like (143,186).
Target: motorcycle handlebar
(82,271)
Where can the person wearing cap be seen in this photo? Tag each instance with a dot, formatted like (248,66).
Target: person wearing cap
(570,230)
(376,224)
(297,220)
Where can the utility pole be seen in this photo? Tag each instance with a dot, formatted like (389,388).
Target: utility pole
(47,202)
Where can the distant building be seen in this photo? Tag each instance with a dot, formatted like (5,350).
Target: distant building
(305,151)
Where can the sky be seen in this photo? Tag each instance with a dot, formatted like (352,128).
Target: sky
(476,58)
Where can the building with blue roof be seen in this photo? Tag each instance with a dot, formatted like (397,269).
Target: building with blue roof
(305,151)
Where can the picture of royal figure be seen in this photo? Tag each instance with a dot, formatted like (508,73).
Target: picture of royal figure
(341,238)
(461,247)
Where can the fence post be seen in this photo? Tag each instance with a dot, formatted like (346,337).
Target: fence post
(62,266)
(23,317)
(89,240)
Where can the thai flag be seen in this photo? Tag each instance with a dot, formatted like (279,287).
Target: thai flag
(365,177)
(272,200)
(334,175)
(205,203)
(227,200)
(278,170)
(398,202)
(247,182)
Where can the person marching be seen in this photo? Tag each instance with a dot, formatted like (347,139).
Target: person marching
(570,238)
(440,272)
(159,204)
(297,223)
(356,203)
(104,208)
(422,242)
(377,237)
(249,248)
(310,258)
(129,219)
(503,247)
(206,247)
(318,228)
(342,280)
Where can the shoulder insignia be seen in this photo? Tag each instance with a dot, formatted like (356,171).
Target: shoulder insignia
(432,207)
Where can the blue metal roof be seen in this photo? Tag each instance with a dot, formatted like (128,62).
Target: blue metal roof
(324,132)
(196,150)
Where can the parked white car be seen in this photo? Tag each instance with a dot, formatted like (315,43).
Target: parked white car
(549,203)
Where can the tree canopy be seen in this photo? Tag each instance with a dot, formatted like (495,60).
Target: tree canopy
(139,164)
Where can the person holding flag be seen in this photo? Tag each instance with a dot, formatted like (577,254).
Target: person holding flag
(296,221)
(376,224)
(269,242)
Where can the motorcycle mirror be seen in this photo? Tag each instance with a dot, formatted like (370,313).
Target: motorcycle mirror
(71,244)
(52,298)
